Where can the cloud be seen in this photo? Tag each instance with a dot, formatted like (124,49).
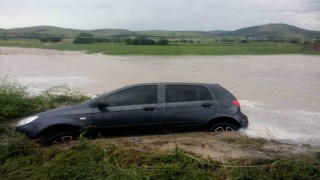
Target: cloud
(159,14)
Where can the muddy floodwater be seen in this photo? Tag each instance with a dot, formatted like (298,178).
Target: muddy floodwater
(279,93)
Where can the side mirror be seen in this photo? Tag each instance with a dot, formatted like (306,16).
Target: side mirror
(102,104)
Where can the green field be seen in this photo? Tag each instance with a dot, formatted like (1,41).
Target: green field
(171,50)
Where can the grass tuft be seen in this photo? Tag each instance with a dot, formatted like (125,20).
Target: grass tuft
(16,102)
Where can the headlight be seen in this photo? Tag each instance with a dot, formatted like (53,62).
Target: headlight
(27,120)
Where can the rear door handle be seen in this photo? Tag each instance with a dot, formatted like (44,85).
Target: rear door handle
(207,104)
(148,108)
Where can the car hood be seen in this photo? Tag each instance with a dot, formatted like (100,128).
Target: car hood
(66,111)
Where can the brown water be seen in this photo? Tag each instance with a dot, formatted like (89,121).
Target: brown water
(279,93)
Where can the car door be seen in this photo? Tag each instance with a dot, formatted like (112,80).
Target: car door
(187,107)
(131,108)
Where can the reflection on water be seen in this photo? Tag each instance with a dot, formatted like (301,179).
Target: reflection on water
(280,92)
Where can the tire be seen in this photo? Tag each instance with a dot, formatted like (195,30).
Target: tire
(223,127)
(57,137)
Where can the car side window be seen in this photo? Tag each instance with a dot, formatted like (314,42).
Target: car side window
(186,93)
(134,96)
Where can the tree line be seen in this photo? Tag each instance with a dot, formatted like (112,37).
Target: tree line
(51,39)
(142,40)
(86,38)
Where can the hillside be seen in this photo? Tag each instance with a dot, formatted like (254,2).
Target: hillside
(51,30)
(263,31)
(275,30)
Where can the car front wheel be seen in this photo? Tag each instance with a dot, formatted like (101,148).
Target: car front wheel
(57,137)
(223,127)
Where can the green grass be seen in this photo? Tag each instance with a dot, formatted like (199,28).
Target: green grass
(22,159)
(171,50)
(16,102)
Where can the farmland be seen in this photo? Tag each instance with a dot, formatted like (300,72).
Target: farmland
(171,50)
(257,40)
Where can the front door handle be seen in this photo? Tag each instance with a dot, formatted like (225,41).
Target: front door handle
(148,108)
(207,104)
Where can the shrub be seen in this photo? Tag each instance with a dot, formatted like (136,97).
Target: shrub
(84,38)
(163,41)
(142,40)
(16,145)
(51,39)
(43,39)
(54,38)
(98,40)
(16,102)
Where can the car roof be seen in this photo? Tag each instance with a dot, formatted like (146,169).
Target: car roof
(173,83)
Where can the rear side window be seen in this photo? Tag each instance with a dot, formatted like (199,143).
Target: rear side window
(134,96)
(186,93)
(222,94)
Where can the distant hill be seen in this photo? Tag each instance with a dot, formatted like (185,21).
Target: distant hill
(263,31)
(275,30)
(218,32)
(52,30)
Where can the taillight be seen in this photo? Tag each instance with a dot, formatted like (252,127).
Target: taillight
(236,103)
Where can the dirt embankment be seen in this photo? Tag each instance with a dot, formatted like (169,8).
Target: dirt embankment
(218,146)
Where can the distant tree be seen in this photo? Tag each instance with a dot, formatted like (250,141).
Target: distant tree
(183,41)
(306,42)
(244,41)
(55,38)
(107,40)
(142,40)
(51,39)
(163,41)
(128,41)
(116,40)
(294,41)
(84,38)
(43,39)
(5,38)
(98,40)
(150,42)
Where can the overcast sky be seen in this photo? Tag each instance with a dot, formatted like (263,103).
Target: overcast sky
(159,14)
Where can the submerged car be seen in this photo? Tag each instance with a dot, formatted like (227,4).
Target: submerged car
(167,106)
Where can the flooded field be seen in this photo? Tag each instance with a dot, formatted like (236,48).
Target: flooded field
(279,93)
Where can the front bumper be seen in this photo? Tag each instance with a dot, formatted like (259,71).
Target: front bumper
(30,130)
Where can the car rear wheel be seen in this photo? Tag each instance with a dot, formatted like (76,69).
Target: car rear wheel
(223,127)
(58,137)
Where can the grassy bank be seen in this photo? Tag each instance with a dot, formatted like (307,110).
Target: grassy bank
(16,102)
(21,158)
(172,50)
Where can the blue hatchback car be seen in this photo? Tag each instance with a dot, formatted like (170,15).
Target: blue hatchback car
(167,106)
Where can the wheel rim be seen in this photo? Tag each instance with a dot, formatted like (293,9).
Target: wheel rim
(224,129)
(63,139)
